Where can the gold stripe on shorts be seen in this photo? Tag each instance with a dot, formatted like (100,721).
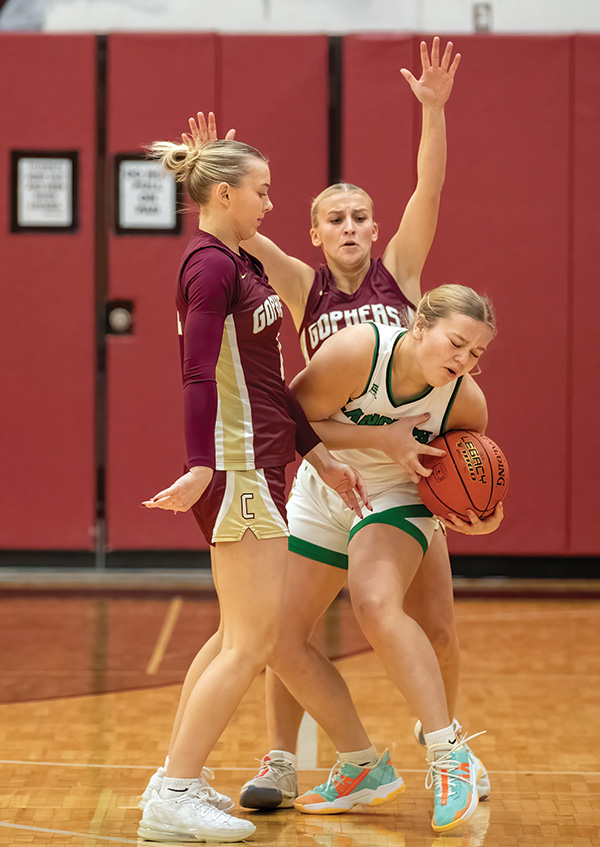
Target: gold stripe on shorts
(248,504)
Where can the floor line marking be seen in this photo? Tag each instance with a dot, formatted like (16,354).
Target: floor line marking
(249,768)
(101,809)
(68,832)
(165,635)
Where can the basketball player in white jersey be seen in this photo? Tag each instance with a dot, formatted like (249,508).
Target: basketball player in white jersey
(362,382)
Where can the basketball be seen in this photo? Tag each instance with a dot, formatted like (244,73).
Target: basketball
(472,475)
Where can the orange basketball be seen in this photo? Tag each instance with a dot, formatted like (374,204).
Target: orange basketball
(472,475)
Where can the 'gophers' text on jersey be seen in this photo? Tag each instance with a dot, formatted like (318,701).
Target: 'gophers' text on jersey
(336,319)
(267,313)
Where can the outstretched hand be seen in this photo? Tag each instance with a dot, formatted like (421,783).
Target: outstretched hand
(437,78)
(184,492)
(201,131)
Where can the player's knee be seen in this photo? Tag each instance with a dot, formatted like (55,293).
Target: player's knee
(372,610)
(284,649)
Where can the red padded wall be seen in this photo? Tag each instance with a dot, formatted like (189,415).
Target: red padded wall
(274,91)
(379,119)
(503,228)
(585,364)
(47,91)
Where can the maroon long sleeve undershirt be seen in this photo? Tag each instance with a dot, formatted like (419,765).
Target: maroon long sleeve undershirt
(210,290)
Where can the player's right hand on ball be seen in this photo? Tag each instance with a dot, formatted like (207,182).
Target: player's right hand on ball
(477,525)
(399,443)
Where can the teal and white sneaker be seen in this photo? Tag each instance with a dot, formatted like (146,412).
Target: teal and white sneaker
(483,780)
(453,772)
(352,785)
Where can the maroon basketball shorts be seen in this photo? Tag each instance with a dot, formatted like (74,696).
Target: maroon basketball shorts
(239,500)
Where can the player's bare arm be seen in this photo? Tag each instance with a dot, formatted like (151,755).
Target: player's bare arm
(396,440)
(407,251)
(339,370)
(470,408)
(291,278)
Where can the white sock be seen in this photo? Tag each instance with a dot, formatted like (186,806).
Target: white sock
(441,736)
(166,764)
(290,758)
(367,758)
(173,787)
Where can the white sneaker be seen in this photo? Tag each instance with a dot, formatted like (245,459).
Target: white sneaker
(219,801)
(190,817)
(274,787)
(154,784)
(483,780)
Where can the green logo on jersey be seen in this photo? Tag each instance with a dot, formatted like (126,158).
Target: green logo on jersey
(422,435)
(357,416)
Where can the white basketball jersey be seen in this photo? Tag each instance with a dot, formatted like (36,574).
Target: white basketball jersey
(376,406)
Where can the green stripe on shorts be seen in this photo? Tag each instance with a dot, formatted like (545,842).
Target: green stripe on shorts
(398,517)
(318,554)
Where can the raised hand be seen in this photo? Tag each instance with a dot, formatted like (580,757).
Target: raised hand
(437,78)
(202,131)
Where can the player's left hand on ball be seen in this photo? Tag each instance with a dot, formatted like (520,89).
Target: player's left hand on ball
(477,526)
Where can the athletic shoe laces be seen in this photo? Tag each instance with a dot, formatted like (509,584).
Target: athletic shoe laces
(197,798)
(446,764)
(334,774)
(279,767)
(211,792)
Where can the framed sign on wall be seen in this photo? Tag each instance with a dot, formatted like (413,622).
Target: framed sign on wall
(44,191)
(147,197)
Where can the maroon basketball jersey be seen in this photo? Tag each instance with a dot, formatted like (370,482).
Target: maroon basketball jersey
(328,309)
(237,414)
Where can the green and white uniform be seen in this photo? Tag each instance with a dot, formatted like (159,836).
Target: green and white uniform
(320,524)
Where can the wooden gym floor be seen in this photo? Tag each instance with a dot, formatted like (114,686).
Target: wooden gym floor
(90,681)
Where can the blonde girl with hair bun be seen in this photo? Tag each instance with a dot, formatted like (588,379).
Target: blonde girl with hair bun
(242,426)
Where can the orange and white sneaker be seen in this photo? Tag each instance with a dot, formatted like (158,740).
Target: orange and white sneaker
(352,785)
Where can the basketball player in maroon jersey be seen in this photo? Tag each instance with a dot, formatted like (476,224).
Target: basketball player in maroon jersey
(241,427)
